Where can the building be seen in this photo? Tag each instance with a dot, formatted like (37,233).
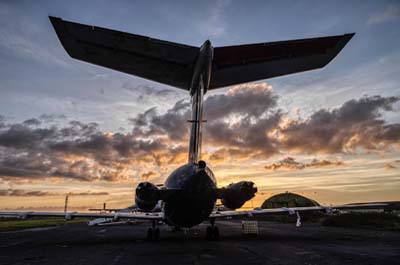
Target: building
(288,199)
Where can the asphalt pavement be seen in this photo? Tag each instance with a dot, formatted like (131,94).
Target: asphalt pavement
(126,244)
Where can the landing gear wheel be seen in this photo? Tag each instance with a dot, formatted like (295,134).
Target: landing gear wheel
(156,234)
(216,233)
(212,233)
(209,233)
(150,234)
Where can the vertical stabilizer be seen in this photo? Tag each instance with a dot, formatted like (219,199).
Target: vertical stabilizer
(197,120)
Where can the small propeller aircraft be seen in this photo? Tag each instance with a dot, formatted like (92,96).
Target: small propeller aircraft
(190,192)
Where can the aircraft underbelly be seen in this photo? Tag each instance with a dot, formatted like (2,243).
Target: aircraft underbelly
(184,211)
(195,200)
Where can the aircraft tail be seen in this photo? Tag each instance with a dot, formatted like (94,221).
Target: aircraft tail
(157,60)
(244,63)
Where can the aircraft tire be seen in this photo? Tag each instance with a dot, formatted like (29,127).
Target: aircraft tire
(209,233)
(156,235)
(215,233)
(150,234)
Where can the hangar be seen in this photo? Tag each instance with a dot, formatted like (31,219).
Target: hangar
(288,200)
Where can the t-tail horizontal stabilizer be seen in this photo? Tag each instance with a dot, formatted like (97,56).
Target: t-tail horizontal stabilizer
(244,63)
(173,63)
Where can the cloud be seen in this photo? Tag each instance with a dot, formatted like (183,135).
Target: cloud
(32,122)
(239,123)
(144,91)
(26,193)
(247,101)
(390,13)
(245,123)
(88,193)
(81,151)
(172,124)
(356,124)
(148,175)
(289,163)
(47,208)
(77,151)
(48,118)
(389,166)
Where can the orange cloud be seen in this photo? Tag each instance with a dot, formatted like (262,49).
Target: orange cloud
(35,193)
(289,163)
(148,175)
(389,166)
(245,123)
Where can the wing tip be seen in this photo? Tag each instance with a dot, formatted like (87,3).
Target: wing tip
(54,20)
(341,43)
(63,35)
(349,36)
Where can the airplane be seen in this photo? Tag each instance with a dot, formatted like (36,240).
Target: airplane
(132,208)
(189,193)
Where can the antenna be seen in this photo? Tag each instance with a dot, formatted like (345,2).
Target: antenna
(66,204)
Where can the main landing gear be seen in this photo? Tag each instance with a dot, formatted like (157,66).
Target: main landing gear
(212,232)
(153,233)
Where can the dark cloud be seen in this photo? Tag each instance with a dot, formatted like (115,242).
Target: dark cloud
(26,193)
(247,101)
(244,123)
(48,118)
(139,89)
(356,124)
(77,151)
(389,166)
(2,121)
(19,172)
(47,208)
(148,175)
(238,122)
(144,91)
(289,163)
(173,123)
(22,136)
(89,193)
(23,193)
(32,122)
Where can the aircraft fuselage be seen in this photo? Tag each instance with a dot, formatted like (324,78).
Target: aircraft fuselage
(194,201)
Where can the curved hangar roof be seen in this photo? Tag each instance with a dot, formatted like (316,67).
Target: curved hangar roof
(288,199)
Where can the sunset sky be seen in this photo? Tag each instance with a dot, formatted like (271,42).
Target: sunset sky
(70,127)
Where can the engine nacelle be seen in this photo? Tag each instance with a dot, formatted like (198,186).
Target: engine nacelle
(236,194)
(147,196)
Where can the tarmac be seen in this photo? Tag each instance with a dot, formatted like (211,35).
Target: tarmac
(126,244)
